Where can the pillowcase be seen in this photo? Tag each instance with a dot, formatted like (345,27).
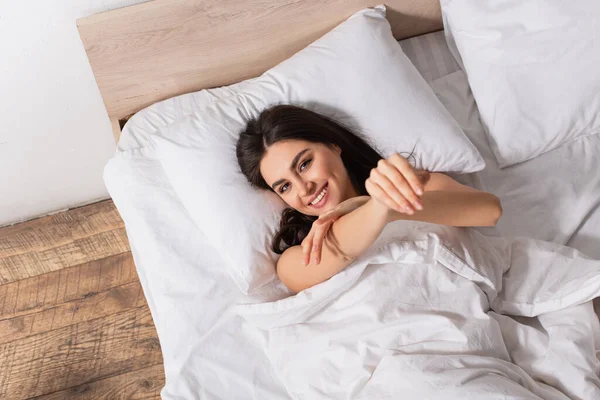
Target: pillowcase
(356,74)
(533,67)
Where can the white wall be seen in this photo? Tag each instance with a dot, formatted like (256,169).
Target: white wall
(55,135)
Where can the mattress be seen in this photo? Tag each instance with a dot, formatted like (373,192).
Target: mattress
(209,351)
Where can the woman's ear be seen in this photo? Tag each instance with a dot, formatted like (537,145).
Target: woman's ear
(337,149)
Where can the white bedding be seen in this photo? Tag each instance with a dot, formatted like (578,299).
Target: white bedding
(544,198)
(423,315)
(587,236)
(210,352)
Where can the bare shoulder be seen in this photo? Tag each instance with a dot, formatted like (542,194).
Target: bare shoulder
(291,269)
(297,276)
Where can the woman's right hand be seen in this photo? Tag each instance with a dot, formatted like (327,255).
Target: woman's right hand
(395,184)
(312,244)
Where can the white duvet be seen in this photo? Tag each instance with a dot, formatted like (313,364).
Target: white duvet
(438,312)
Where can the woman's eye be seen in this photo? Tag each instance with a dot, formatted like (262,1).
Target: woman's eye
(283,188)
(305,164)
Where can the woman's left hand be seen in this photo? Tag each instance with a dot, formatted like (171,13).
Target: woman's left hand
(395,184)
(312,244)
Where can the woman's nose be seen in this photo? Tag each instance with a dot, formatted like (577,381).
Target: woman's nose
(304,188)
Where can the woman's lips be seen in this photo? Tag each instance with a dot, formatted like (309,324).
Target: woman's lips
(322,202)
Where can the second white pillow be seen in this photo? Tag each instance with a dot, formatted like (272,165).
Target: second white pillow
(533,67)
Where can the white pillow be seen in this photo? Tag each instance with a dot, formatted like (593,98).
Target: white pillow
(358,74)
(533,67)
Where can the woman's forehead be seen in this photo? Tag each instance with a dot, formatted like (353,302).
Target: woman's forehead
(279,155)
(289,146)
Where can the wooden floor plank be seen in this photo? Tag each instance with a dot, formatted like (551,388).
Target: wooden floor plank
(96,306)
(73,319)
(37,262)
(77,354)
(62,240)
(57,229)
(45,291)
(143,384)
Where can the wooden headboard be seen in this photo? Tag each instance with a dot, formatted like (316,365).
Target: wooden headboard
(152,51)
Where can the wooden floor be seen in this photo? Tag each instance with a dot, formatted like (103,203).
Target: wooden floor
(74,323)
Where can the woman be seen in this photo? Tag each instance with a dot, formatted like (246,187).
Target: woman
(342,193)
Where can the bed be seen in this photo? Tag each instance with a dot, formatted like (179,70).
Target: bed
(209,350)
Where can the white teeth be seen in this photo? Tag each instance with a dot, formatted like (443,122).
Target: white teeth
(319,197)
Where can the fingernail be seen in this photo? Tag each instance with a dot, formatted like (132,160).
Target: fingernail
(410,211)
(419,191)
(418,205)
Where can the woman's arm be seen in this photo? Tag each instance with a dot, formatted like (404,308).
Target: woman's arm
(354,233)
(445,202)
(456,208)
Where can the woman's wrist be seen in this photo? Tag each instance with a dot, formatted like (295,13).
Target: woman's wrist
(380,211)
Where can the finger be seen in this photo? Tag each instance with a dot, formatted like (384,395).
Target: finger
(408,172)
(399,181)
(391,190)
(315,246)
(318,241)
(376,192)
(306,246)
(307,243)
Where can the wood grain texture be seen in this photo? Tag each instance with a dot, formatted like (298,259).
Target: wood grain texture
(62,240)
(43,292)
(98,305)
(82,330)
(61,228)
(143,384)
(152,51)
(74,355)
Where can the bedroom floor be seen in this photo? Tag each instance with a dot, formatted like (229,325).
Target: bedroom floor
(74,323)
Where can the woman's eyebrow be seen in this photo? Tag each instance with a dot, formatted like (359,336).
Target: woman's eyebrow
(292,167)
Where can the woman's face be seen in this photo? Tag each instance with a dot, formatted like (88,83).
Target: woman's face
(309,177)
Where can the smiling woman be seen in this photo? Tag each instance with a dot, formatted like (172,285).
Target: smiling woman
(296,152)
(325,172)
(315,176)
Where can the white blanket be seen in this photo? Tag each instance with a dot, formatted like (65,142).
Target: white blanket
(424,315)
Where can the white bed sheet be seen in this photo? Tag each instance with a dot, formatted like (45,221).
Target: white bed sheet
(209,352)
(587,237)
